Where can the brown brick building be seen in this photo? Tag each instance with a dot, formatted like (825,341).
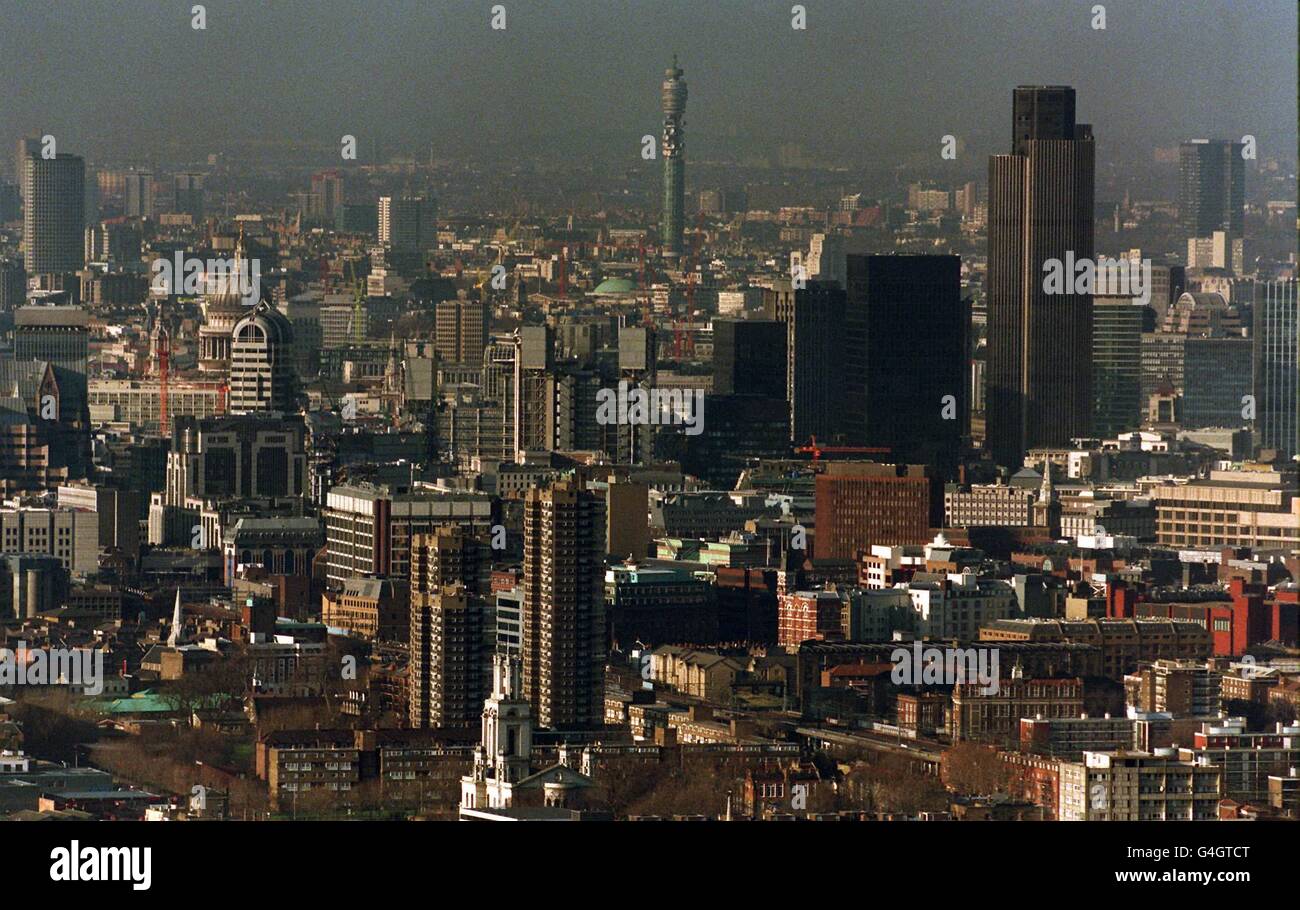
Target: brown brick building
(995,717)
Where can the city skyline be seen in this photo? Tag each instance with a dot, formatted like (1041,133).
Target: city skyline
(432,412)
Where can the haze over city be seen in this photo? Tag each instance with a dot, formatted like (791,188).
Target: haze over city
(864,81)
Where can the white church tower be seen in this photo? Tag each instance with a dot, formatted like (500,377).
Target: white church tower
(502,757)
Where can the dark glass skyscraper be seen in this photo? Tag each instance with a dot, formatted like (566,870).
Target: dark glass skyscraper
(1211,188)
(1039,388)
(749,357)
(674,155)
(1116,365)
(814,321)
(1277,368)
(905,351)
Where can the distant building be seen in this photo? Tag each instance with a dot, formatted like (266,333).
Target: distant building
(406,223)
(995,717)
(1183,688)
(1247,759)
(369,529)
(807,615)
(461,330)
(654,605)
(814,320)
(1212,187)
(749,357)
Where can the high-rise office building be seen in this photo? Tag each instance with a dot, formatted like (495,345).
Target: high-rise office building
(1216,380)
(405,222)
(262,374)
(54,219)
(814,321)
(139,194)
(564,605)
(1116,365)
(326,193)
(826,259)
(13,284)
(369,528)
(461,330)
(1277,368)
(27,147)
(50,346)
(1040,344)
(1212,187)
(749,357)
(11,201)
(1164,351)
(58,335)
(674,156)
(532,421)
(904,383)
(187,195)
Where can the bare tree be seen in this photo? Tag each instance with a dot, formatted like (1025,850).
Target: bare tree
(975,770)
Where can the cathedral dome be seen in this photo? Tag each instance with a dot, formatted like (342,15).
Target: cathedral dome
(225,295)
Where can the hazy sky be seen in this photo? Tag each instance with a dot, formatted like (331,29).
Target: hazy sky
(867,78)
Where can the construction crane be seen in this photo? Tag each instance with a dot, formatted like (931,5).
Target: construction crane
(358,298)
(648,322)
(812,448)
(163,347)
(683,341)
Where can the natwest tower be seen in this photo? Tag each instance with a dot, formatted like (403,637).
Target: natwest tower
(1040,344)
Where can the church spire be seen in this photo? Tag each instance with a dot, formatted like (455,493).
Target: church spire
(174,638)
(1046,493)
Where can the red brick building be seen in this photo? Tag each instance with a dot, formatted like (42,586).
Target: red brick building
(804,615)
(1035,778)
(1235,627)
(862,503)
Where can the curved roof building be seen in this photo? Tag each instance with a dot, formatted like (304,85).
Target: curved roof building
(262,375)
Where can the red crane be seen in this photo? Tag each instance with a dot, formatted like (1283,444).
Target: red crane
(812,448)
(683,341)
